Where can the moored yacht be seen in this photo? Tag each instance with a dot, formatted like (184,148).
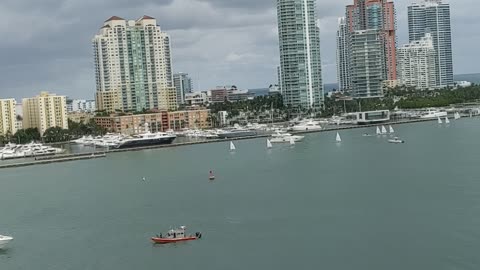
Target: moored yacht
(13,151)
(235,133)
(281,137)
(146,139)
(309,125)
(433,114)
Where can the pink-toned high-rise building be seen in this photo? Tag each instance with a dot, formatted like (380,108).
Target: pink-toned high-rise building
(372,24)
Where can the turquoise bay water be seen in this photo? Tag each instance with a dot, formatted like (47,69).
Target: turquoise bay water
(361,204)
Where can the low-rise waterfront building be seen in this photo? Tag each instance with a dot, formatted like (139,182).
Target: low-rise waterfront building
(130,124)
(218,95)
(80,117)
(229,93)
(8,117)
(193,119)
(80,105)
(223,118)
(196,99)
(239,95)
(45,111)
(462,84)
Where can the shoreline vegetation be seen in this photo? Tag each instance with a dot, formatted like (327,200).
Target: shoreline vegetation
(266,109)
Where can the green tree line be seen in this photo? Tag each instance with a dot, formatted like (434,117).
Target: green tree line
(54,134)
(404,98)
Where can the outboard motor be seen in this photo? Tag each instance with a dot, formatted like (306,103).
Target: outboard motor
(198,235)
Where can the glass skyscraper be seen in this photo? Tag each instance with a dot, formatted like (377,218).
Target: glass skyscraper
(300,64)
(433,17)
(183,85)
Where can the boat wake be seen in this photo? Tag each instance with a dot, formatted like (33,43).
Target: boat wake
(231,220)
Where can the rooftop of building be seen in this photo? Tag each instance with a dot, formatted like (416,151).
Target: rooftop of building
(115,18)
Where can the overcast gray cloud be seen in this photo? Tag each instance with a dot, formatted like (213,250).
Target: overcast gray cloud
(46,45)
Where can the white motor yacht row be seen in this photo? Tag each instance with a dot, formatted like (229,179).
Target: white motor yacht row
(12,151)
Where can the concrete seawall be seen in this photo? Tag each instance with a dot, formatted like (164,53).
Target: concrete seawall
(54,159)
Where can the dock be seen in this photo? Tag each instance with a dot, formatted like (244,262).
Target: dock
(54,159)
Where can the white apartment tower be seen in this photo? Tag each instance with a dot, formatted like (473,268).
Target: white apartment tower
(133,66)
(433,17)
(45,111)
(416,64)
(7,117)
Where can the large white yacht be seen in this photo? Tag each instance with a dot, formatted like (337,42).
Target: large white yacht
(283,137)
(308,125)
(146,139)
(433,114)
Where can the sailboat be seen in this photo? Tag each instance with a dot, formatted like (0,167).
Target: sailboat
(457,116)
(338,139)
(447,121)
(384,130)
(269,144)
(391,129)
(378,131)
(232,147)
(440,120)
(292,141)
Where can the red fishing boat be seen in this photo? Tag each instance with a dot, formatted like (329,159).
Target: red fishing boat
(176,235)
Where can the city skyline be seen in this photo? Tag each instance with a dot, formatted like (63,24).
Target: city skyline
(54,54)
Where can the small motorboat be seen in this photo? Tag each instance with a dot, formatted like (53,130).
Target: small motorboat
(396,140)
(211,176)
(4,240)
(175,236)
(367,135)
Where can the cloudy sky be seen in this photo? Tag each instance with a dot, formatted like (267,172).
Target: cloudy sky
(46,44)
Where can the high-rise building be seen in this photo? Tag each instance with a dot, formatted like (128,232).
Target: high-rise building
(416,64)
(366,55)
(369,17)
(300,64)
(343,64)
(433,17)
(45,111)
(279,79)
(133,66)
(183,85)
(7,117)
